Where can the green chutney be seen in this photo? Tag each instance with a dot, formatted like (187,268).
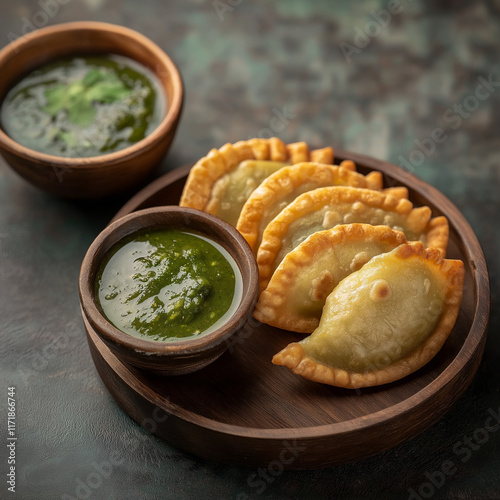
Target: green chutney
(84,106)
(168,285)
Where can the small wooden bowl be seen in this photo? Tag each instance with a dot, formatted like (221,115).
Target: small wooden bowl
(96,176)
(184,356)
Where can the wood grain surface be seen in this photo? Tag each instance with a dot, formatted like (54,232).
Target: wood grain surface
(244,410)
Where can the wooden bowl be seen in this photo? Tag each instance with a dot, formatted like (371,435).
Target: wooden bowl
(244,410)
(176,357)
(96,176)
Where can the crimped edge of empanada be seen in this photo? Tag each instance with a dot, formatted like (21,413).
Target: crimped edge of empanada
(294,357)
(218,162)
(437,234)
(270,306)
(397,191)
(287,179)
(314,200)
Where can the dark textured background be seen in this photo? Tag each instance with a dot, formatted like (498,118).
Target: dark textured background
(242,66)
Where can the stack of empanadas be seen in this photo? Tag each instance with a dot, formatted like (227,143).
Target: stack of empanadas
(355,265)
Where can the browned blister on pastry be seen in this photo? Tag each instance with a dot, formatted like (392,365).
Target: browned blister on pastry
(222,181)
(295,296)
(282,187)
(328,207)
(383,322)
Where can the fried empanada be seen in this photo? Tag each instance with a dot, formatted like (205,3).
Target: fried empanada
(327,207)
(221,182)
(232,190)
(282,187)
(296,293)
(383,322)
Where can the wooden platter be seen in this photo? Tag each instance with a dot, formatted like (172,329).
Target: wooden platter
(244,410)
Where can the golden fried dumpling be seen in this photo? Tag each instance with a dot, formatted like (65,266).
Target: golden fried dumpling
(282,187)
(232,190)
(221,182)
(296,293)
(383,322)
(327,207)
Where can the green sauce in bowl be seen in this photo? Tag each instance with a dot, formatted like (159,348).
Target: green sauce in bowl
(84,106)
(168,285)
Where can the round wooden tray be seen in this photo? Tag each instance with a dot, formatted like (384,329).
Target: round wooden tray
(244,410)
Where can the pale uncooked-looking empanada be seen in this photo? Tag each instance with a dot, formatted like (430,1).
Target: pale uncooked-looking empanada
(383,322)
(220,182)
(296,293)
(324,208)
(282,187)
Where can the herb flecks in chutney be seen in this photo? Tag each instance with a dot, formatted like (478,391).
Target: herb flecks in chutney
(84,106)
(166,285)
